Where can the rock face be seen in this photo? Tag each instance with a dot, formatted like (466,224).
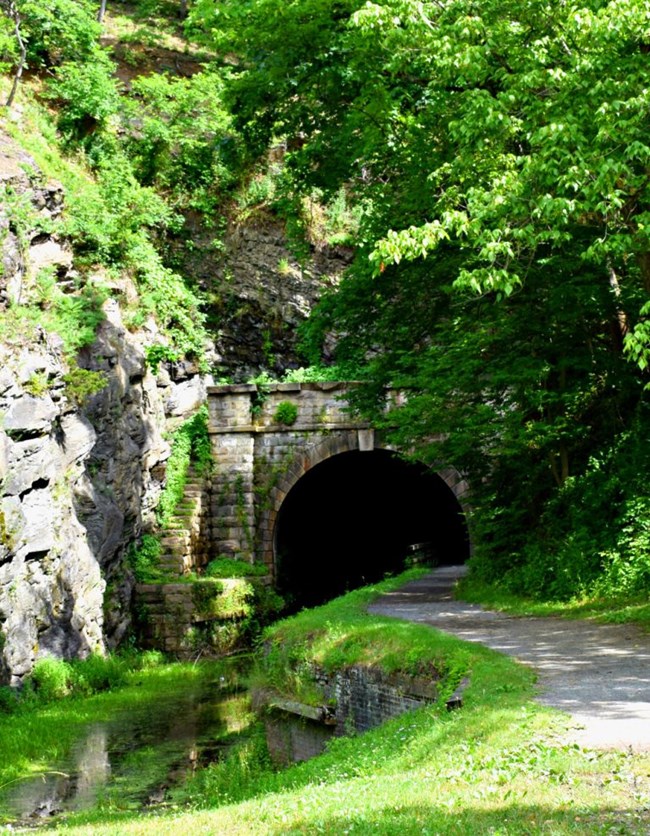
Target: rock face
(77,483)
(260,293)
(77,486)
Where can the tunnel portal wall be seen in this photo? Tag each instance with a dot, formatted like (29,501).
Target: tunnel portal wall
(259,456)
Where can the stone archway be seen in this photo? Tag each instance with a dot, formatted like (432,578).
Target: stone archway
(259,459)
(353,516)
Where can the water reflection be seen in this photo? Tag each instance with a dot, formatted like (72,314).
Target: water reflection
(134,756)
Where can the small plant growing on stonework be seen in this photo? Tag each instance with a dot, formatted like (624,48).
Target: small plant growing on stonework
(144,558)
(284,268)
(37,385)
(286,413)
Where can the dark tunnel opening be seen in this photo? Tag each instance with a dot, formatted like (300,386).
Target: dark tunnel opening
(357,516)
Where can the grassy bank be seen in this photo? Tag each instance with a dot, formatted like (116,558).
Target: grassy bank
(612,610)
(500,765)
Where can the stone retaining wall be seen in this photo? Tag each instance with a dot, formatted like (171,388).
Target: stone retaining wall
(188,618)
(357,699)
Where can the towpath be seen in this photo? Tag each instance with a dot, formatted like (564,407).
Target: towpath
(598,673)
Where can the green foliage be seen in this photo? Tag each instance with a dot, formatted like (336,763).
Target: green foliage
(86,95)
(182,142)
(110,218)
(166,297)
(21,215)
(157,354)
(231,778)
(98,673)
(58,31)
(223,599)
(9,51)
(286,413)
(593,538)
(317,374)
(8,699)
(50,679)
(229,567)
(144,559)
(37,385)
(74,318)
(82,384)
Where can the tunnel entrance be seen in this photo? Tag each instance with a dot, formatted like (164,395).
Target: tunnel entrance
(356,516)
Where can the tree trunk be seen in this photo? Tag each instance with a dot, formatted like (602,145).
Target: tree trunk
(621,316)
(101,12)
(15,16)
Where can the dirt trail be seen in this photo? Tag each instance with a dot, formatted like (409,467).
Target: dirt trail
(598,673)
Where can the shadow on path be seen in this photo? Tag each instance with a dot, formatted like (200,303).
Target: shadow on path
(598,673)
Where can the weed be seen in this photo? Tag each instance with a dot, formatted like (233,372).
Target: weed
(144,558)
(37,384)
(286,413)
(51,679)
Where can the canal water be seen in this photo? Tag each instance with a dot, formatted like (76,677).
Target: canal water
(135,757)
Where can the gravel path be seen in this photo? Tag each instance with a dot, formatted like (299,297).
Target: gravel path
(598,673)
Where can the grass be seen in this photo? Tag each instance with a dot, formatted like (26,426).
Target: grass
(501,765)
(612,610)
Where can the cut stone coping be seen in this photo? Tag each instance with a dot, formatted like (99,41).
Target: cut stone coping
(597,673)
(241,388)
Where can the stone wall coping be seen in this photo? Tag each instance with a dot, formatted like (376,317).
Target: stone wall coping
(162,588)
(258,429)
(232,389)
(319,386)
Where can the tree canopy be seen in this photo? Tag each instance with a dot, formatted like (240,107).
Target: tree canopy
(499,154)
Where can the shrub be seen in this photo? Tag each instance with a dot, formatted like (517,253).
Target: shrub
(286,413)
(59,30)
(51,679)
(144,558)
(81,384)
(87,96)
(8,699)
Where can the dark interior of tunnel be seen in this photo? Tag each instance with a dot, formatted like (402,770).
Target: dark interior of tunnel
(357,516)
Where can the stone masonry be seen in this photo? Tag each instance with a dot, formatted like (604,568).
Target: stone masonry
(259,458)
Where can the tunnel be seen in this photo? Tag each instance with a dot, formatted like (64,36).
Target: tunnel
(358,516)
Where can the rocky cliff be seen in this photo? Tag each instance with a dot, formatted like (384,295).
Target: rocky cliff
(259,292)
(79,474)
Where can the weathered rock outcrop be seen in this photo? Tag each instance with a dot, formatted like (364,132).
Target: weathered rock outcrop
(77,482)
(77,486)
(260,293)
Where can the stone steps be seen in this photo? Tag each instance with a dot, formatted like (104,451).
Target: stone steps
(184,548)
